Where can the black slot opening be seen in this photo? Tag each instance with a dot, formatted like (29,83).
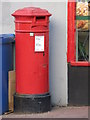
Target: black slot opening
(40,18)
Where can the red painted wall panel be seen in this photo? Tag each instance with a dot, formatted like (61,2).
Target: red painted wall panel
(71,32)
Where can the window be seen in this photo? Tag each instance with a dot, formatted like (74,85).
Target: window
(82,30)
(78,49)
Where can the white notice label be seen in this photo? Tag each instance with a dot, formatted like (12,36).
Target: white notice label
(39,43)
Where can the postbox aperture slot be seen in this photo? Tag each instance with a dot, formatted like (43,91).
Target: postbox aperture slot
(40,18)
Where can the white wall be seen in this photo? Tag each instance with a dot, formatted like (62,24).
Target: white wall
(58,62)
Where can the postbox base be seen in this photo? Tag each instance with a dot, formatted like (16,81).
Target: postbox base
(32,103)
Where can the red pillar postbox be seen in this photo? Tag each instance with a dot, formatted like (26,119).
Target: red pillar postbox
(32,60)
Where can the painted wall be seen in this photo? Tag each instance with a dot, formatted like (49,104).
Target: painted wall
(58,42)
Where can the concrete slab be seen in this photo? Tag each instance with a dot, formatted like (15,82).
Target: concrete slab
(56,112)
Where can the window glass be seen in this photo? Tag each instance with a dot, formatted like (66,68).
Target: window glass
(82,30)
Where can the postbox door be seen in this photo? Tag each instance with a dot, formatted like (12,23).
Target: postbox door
(32,62)
(41,50)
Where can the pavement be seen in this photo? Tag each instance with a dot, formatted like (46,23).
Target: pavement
(56,112)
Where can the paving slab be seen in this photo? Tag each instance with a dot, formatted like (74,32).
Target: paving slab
(56,112)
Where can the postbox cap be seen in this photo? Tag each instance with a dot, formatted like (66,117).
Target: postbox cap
(31,11)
